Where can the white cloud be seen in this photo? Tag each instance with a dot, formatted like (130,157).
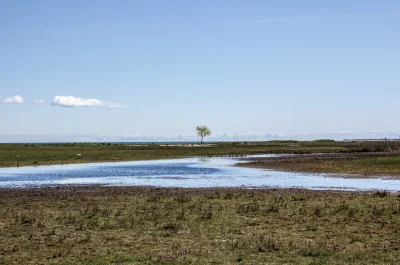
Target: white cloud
(14,100)
(71,101)
(38,101)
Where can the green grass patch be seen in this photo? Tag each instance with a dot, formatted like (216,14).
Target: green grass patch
(14,155)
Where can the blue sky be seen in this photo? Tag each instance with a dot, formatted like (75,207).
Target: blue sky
(159,68)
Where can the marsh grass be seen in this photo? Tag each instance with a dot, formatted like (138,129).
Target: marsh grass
(101,225)
(364,163)
(15,155)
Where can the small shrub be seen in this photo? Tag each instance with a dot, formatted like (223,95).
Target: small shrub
(378,210)
(381,194)
(318,211)
(272,208)
(171,227)
(247,208)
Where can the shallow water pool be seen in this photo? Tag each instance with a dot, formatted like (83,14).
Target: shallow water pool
(185,173)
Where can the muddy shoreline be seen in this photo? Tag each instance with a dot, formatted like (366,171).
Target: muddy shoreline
(99,190)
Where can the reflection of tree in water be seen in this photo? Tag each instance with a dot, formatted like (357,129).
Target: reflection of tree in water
(204,159)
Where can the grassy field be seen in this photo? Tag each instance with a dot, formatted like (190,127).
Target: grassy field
(12,155)
(99,225)
(366,164)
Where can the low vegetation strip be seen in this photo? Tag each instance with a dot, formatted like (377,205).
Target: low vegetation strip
(14,155)
(362,164)
(131,225)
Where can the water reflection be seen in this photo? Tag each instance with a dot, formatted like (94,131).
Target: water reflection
(204,159)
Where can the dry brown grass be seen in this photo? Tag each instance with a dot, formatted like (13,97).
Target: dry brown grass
(112,225)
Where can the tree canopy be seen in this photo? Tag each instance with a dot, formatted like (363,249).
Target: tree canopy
(203,131)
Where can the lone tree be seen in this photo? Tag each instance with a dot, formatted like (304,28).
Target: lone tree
(202,131)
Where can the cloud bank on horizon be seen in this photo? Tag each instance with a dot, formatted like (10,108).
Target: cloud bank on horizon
(71,102)
(340,135)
